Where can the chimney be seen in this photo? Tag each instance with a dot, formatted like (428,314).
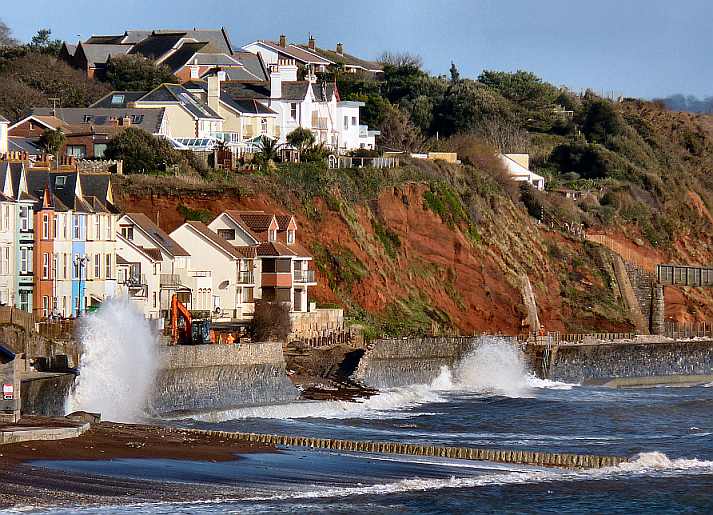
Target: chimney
(113,122)
(276,83)
(126,121)
(340,49)
(213,92)
(312,45)
(283,41)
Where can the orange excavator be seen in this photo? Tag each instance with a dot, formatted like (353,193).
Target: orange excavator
(193,332)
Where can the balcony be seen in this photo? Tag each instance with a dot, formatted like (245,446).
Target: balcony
(246,277)
(304,276)
(199,273)
(276,280)
(319,122)
(170,281)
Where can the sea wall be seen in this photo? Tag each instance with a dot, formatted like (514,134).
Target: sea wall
(397,362)
(194,377)
(666,361)
(45,394)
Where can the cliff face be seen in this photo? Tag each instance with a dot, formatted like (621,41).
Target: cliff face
(396,265)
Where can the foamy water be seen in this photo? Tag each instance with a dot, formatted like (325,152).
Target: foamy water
(118,363)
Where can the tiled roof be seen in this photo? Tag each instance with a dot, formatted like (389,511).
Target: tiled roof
(177,93)
(247,252)
(73,117)
(215,239)
(99,54)
(274,248)
(156,45)
(283,221)
(157,234)
(153,253)
(295,90)
(296,53)
(347,59)
(117,99)
(255,220)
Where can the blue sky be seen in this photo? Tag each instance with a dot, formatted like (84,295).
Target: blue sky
(643,49)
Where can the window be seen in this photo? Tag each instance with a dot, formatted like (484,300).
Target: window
(346,122)
(98,226)
(7,217)
(77,268)
(272,235)
(263,125)
(127,232)
(87,118)
(45,266)
(227,234)
(64,265)
(60,181)
(65,224)
(7,260)
(354,121)
(25,301)
(247,295)
(117,98)
(290,237)
(77,231)
(24,260)
(293,111)
(77,151)
(24,218)
(108,267)
(45,226)
(54,269)
(97,265)
(99,149)
(108,228)
(64,306)
(54,226)
(45,306)
(154,299)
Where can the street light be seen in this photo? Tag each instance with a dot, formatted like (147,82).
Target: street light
(80,262)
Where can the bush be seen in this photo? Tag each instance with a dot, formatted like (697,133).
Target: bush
(271,321)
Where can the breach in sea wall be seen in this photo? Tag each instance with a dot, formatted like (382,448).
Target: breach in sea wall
(397,362)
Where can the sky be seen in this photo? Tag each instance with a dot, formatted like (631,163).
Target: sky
(640,49)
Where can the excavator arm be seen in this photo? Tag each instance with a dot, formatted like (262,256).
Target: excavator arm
(179,309)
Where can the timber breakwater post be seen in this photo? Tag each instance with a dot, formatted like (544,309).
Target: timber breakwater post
(532,458)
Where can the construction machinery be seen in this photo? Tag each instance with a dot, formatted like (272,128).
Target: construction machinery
(188,331)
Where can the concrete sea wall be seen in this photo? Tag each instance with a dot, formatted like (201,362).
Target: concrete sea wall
(221,376)
(667,362)
(399,362)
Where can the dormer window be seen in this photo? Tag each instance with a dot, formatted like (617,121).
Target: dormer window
(290,237)
(87,118)
(136,118)
(272,235)
(117,99)
(60,181)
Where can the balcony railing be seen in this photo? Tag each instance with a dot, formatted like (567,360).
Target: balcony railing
(245,277)
(200,273)
(137,281)
(170,280)
(304,276)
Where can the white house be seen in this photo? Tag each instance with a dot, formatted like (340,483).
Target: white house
(518,166)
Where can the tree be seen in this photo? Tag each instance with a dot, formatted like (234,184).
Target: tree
(137,73)
(399,80)
(455,76)
(16,99)
(399,134)
(6,38)
(55,79)
(51,141)
(301,139)
(42,44)
(141,151)
(399,59)
(267,150)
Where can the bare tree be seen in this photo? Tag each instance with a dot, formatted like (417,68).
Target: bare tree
(399,134)
(400,59)
(6,38)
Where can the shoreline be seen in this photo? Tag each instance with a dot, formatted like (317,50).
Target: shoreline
(24,484)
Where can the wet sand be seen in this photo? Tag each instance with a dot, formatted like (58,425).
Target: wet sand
(22,484)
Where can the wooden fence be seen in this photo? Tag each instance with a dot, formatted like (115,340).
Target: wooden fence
(625,252)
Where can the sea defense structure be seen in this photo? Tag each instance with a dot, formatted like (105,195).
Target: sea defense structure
(538,459)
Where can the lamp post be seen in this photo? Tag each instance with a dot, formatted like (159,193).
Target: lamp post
(80,262)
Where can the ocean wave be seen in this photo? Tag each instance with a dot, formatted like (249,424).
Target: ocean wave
(649,461)
(392,403)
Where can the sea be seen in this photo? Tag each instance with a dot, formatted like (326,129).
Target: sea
(493,403)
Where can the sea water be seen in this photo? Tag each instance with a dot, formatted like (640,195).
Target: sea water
(486,400)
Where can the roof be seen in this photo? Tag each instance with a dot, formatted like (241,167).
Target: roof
(158,235)
(176,93)
(295,90)
(348,59)
(215,239)
(29,145)
(99,54)
(295,52)
(117,99)
(97,185)
(3,119)
(255,220)
(146,118)
(247,106)
(245,91)
(283,221)
(274,248)
(156,46)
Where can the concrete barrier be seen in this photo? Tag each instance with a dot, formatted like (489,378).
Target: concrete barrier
(557,460)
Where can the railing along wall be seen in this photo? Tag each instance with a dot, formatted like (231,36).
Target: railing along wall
(12,315)
(625,252)
(678,275)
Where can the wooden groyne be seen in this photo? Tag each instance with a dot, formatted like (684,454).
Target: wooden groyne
(539,459)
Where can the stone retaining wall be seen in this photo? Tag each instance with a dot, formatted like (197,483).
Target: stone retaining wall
(197,356)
